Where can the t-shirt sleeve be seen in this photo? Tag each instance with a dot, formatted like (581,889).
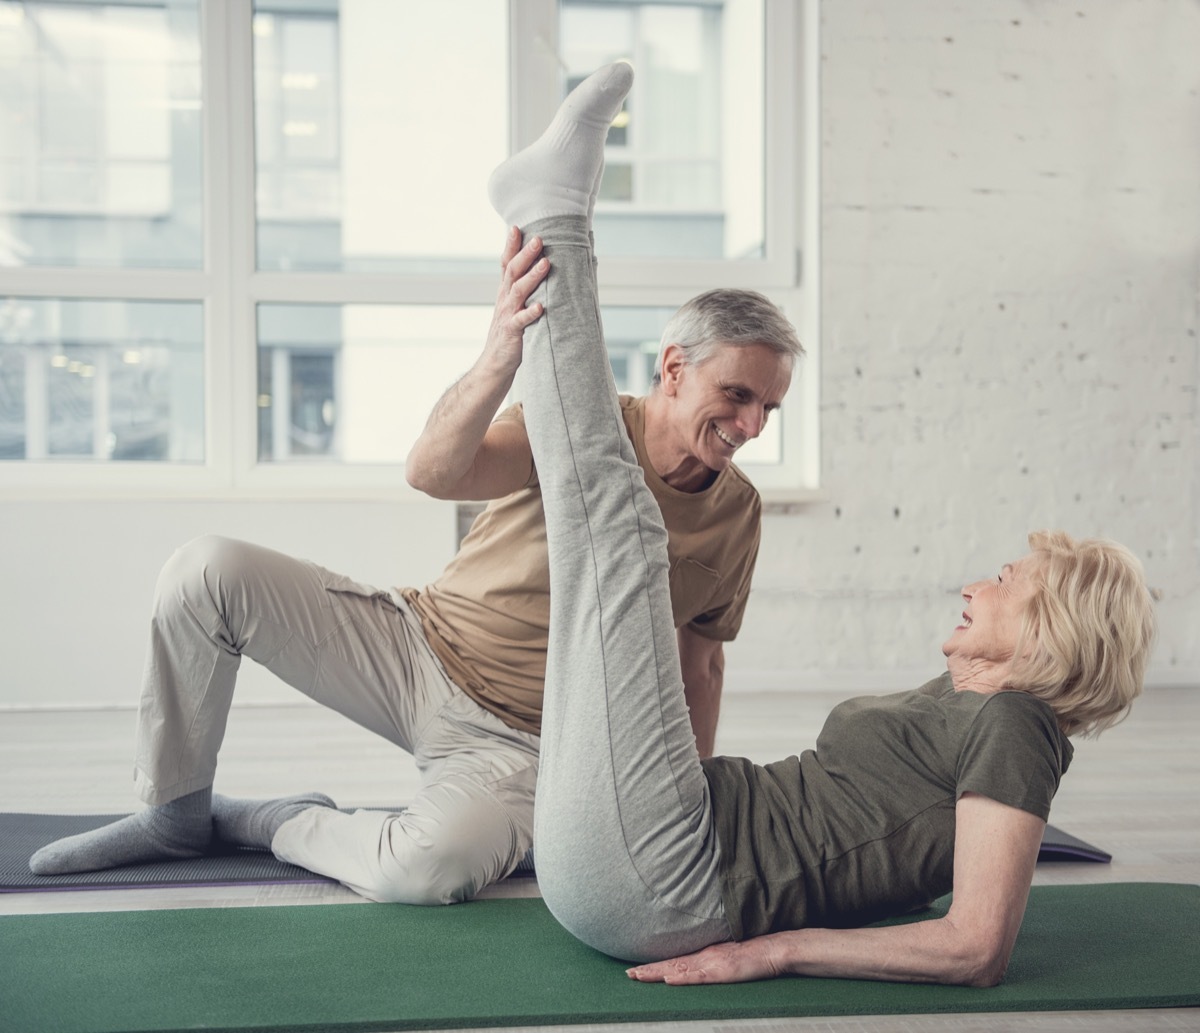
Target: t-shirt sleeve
(516,414)
(723,621)
(1013,753)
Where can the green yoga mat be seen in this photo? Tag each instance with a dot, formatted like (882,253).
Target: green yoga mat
(355,967)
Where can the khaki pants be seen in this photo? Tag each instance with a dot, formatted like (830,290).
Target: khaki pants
(360,651)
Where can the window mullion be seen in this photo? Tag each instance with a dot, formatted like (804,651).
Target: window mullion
(535,69)
(230,333)
(115,284)
(781,158)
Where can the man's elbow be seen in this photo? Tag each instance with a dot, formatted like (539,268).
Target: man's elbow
(424,480)
(415,476)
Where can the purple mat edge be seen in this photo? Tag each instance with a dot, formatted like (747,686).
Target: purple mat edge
(316,880)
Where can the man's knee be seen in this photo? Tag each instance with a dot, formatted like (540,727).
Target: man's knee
(447,864)
(195,568)
(426,876)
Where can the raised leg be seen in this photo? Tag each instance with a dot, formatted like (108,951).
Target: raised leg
(626,851)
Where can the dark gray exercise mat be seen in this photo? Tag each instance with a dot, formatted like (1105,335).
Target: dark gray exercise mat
(22,834)
(1062,846)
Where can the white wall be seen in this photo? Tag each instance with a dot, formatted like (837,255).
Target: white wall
(78,579)
(1010,281)
(1010,277)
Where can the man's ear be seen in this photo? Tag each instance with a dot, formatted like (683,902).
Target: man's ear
(673,364)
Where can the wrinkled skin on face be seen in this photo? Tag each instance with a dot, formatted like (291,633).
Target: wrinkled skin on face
(702,414)
(982,648)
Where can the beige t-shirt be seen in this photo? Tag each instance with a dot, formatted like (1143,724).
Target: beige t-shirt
(488,616)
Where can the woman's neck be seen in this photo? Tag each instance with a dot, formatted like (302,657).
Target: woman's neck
(971,674)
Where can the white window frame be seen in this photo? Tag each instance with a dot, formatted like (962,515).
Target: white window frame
(230,287)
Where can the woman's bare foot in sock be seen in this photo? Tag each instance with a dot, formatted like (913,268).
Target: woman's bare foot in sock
(559,173)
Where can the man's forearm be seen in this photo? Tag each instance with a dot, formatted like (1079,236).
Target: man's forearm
(449,460)
(704,705)
(445,452)
(703,666)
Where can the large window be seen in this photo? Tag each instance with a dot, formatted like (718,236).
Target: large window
(245,246)
(100,152)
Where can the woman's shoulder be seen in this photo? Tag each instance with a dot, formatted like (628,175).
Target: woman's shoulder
(1015,717)
(1015,705)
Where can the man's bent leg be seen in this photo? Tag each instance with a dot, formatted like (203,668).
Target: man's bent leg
(470,825)
(341,643)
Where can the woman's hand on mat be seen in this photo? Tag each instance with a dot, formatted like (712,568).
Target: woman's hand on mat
(731,962)
(522,269)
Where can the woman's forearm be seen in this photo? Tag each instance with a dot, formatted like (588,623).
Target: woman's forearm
(934,951)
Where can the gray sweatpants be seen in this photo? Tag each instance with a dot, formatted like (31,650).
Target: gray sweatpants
(626,850)
(360,651)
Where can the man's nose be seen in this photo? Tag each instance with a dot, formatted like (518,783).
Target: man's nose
(751,420)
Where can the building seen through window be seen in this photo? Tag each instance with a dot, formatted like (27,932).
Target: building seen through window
(668,162)
(374,124)
(100,168)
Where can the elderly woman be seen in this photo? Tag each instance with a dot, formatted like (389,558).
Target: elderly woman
(726,870)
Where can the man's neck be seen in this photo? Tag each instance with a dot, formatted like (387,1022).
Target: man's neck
(666,455)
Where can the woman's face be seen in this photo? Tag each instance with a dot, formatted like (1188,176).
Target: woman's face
(992,617)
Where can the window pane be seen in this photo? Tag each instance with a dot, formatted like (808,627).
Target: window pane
(373,122)
(101,380)
(684,170)
(100,153)
(356,383)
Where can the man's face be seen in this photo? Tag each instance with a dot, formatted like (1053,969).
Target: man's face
(724,401)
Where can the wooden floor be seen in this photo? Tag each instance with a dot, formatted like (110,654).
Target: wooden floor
(1135,792)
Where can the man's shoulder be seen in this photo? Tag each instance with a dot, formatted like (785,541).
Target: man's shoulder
(740,485)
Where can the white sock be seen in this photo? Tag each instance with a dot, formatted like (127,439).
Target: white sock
(559,173)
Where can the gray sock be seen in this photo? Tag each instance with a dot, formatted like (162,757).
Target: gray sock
(253,823)
(169,831)
(559,173)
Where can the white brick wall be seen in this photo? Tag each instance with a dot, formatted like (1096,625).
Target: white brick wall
(1010,276)
(1011,272)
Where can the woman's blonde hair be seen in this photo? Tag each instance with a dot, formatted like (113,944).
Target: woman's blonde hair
(1087,632)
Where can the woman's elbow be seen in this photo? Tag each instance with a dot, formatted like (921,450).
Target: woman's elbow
(984,965)
(973,957)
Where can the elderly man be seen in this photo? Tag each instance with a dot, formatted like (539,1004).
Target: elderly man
(453,673)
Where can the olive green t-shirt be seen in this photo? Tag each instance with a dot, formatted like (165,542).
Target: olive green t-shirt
(488,616)
(862,826)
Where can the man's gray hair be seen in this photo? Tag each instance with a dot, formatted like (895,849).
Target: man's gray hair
(723,317)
